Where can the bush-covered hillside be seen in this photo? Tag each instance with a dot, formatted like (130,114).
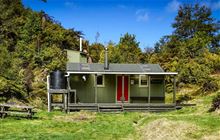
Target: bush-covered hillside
(32,44)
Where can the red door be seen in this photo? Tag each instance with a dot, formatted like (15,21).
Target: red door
(120,88)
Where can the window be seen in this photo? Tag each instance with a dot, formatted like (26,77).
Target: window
(100,80)
(143,81)
(134,79)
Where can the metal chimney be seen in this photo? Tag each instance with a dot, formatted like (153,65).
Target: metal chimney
(80,44)
(106,64)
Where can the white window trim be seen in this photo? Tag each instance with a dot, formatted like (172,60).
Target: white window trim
(140,81)
(103,81)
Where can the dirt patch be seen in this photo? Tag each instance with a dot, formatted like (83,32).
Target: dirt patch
(76,117)
(166,130)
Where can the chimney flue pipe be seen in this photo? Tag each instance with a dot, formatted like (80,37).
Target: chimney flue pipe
(106,64)
(80,44)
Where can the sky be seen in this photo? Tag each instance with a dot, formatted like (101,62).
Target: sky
(149,20)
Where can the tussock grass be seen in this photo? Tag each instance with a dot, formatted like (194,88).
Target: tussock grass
(76,117)
(167,130)
(212,137)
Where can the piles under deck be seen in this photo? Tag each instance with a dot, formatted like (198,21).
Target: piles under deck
(119,107)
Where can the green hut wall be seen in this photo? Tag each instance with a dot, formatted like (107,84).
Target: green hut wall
(107,94)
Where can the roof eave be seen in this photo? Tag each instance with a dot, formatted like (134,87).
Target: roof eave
(110,72)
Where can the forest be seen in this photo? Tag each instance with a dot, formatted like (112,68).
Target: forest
(32,44)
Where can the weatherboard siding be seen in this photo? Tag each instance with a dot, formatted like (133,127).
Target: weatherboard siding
(107,94)
(75,57)
(86,89)
(140,94)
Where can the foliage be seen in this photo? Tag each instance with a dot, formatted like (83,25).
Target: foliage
(129,49)
(190,15)
(147,55)
(30,42)
(95,51)
(126,51)
(215,103)
(114,54)
(183,98)
(210,85)
(4,59)
(190,50)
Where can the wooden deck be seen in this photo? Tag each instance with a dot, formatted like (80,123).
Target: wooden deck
(117,107)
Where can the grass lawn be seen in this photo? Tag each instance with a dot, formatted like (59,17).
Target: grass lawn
(81,125)
(187,123)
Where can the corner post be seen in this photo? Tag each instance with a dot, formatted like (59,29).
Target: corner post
(65,102)
(95,88)
(149,90)
(164,88)
(48,94)
(174,90)
(68,91)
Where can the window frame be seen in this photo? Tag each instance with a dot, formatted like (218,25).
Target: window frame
(140,85)
(103,81)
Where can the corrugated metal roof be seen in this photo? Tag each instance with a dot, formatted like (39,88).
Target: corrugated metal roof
(96,67)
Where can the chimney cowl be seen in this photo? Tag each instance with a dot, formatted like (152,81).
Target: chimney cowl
(106,64)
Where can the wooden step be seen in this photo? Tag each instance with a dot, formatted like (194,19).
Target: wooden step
(110,110)
(116,107)
(82,105)
(77,107)
(83,108)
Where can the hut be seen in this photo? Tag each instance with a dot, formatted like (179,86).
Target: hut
(112,87)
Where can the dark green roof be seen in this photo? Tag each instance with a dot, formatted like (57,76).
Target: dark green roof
(96,67)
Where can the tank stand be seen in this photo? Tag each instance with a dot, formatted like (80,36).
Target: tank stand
(63,104)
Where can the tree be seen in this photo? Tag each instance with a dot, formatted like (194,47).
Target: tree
(126,51)
(114,55)
(189,48)
(95,50)
(195,18)
(9,26)
(31,45)
(147,54)
(129,49)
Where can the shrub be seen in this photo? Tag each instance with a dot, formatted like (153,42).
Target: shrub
(182,98)
(192,72)
(210,85)
(215,103)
